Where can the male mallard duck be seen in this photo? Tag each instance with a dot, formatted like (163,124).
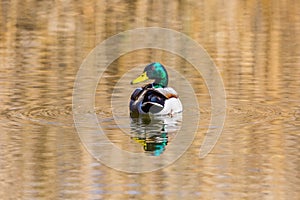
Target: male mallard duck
(154,98)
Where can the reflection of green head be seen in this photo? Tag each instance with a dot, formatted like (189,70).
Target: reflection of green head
(157,147)
(155,143)
(154,71)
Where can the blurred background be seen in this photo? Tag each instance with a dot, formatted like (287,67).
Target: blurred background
(254,44)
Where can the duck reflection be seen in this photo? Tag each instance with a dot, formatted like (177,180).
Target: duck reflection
(153,133)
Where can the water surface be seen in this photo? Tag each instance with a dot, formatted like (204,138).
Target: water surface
(256,47)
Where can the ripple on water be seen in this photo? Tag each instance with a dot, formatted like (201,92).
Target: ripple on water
(253,113)
(297,113)
(48,115)
(239,114)
(295,120)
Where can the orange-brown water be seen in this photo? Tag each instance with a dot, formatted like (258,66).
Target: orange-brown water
(254,44)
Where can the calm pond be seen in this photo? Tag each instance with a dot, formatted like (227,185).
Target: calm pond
(255,46)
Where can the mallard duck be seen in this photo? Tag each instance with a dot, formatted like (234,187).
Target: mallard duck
(154,98)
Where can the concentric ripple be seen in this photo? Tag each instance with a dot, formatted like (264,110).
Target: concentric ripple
(239,114)
(253,113)
(49,115)
(46,114)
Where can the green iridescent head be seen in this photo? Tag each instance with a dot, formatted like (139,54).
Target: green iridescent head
(155,71)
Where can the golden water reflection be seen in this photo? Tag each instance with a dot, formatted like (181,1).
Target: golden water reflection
(255,45)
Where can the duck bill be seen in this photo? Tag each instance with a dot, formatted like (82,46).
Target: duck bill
(141,78)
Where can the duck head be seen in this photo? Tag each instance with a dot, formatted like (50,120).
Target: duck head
(155,71)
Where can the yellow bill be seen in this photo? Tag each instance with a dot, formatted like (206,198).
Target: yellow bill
(141,78)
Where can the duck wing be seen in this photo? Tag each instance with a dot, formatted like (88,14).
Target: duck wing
(154,99)
(150,100)
(167,92)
